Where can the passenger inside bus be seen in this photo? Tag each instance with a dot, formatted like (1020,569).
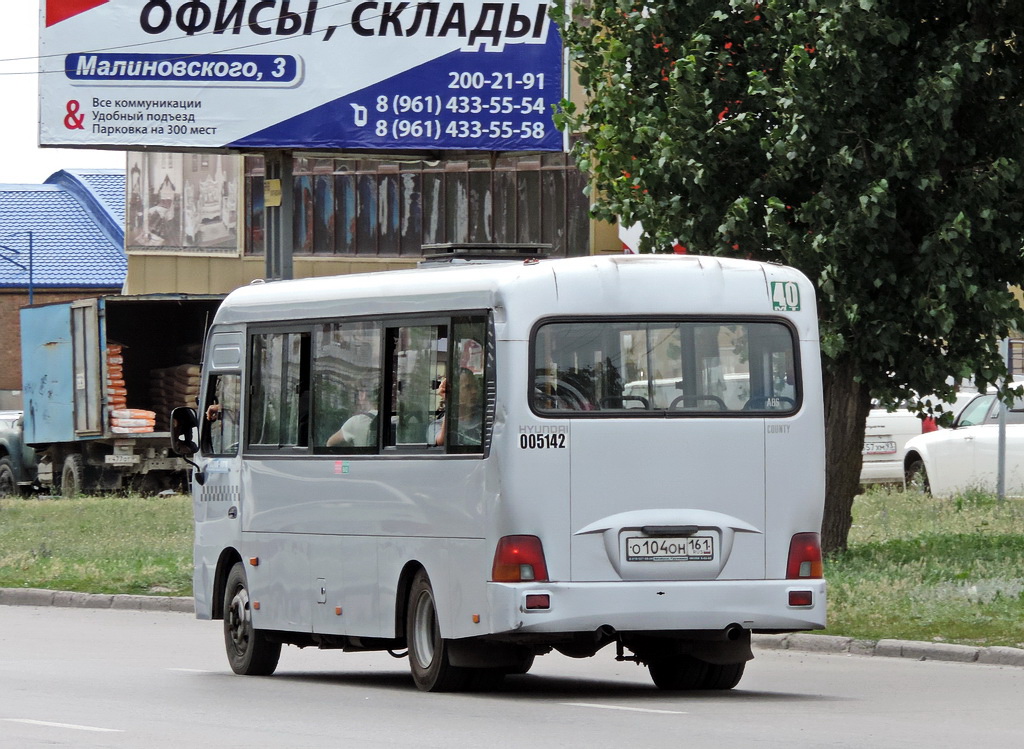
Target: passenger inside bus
(435,431)
(359,430)
(468,412)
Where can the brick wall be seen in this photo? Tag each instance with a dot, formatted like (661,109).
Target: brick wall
(11,302)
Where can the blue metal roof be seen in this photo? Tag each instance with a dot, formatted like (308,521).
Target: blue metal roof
(102,191)
(69,232)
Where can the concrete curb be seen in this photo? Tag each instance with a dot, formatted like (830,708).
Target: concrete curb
(39,597)
(808,643)
(920,651)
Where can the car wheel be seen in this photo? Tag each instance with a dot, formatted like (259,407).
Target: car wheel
(250,652)
(917,477)
(8,486)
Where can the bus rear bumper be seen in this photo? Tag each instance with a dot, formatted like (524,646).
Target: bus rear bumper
(786,605)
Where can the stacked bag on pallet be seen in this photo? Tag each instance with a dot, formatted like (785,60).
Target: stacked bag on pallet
(171,387)
(117,393)
(123,420)
(132,421)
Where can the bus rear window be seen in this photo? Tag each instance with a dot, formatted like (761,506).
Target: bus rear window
(674,367)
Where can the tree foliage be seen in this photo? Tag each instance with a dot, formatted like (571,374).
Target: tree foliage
(877,145)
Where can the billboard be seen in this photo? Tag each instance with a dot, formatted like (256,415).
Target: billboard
(300,74)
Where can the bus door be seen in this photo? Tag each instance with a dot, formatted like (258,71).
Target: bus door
(216,502)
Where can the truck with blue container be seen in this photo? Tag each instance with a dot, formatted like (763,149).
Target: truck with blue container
(99,377)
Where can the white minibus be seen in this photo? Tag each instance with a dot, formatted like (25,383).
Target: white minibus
(477,463)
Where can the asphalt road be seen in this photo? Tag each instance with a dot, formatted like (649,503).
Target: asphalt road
(119,678)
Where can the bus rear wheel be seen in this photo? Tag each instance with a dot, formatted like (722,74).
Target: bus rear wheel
(249,651)
(723,675)
(431,668)
(677,672)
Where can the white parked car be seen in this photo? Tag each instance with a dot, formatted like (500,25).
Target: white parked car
(966,455)
(886,434)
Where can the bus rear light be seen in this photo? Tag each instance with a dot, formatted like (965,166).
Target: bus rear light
(804,557)
(536,601)
(801,598)
(519,559)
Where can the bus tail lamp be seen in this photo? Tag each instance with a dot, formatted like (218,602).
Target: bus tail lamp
(519,559)
(804,557)
(538,601)
(801,598)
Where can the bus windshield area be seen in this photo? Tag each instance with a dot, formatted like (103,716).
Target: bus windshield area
(672,367)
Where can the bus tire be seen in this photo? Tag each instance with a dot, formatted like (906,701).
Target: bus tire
(428,651)
(677,672)
(723,675)
(250,652)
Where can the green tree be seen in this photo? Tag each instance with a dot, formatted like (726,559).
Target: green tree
(877,145)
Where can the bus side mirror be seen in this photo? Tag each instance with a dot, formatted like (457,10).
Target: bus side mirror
(184,432)
(185,438)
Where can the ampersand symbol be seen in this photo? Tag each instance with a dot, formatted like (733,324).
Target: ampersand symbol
(71,122)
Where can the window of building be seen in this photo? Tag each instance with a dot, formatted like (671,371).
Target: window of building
(378,208)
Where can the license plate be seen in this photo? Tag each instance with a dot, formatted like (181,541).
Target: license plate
(879,448)
(121,460)
(670,549)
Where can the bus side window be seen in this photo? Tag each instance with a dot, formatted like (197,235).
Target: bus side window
(346,387)
(220,434)
(468,410)
(416,365)
(279,398)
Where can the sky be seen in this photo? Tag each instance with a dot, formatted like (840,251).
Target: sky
(22,161)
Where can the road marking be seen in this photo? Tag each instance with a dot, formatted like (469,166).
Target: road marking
(62,725)
(628,709)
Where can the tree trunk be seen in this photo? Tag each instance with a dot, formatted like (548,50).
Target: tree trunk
(847,403)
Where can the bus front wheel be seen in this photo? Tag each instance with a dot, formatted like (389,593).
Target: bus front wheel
(249,651)
(431,668)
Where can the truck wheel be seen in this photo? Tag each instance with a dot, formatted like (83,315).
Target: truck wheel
(250,652)
(72,478)
(428,651)
(8,486)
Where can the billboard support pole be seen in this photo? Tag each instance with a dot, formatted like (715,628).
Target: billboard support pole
(280,215)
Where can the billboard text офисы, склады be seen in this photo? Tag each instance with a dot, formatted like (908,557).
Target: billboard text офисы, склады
(315,74)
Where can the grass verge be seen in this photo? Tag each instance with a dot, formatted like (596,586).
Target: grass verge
(918,568)
(139,545)
(923,568)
